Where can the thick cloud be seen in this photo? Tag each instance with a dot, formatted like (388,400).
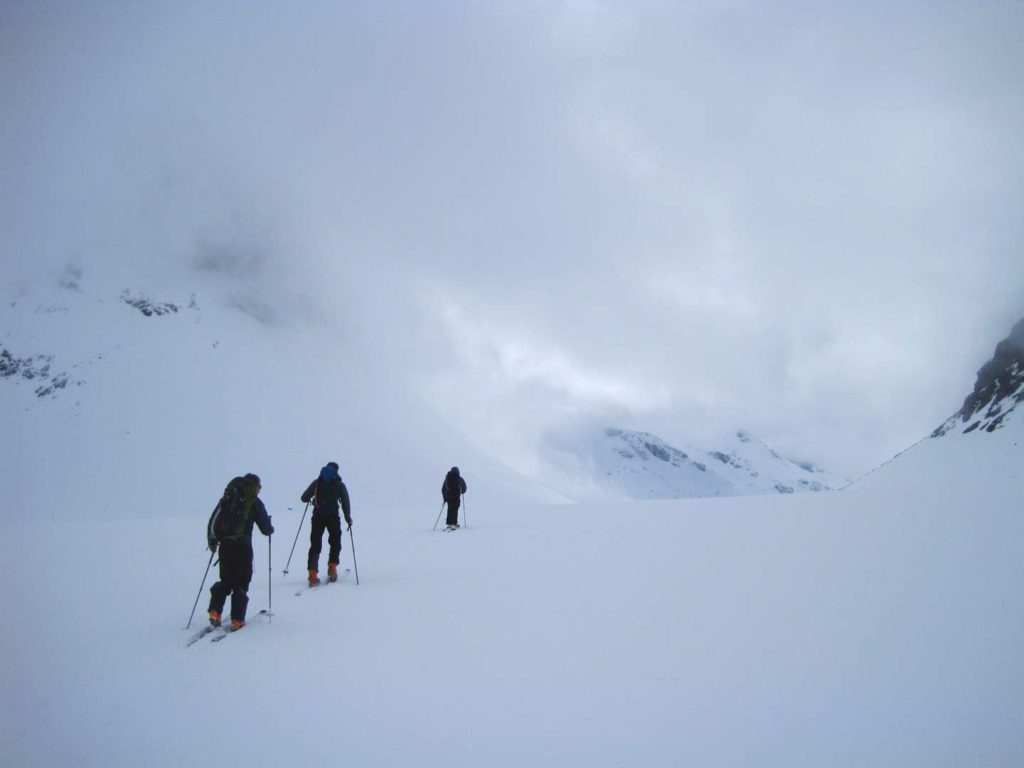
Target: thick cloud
(795,218)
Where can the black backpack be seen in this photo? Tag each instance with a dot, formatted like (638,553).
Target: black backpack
(231,513)
(452,487)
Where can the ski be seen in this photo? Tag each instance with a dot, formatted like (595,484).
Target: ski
(200,635)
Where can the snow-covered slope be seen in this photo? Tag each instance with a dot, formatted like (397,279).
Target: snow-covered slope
(624,464)
(988,427)
(877,626)
(639,465)
(116,399)
(752,467)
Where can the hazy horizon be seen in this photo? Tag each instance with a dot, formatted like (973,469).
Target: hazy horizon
(685,219)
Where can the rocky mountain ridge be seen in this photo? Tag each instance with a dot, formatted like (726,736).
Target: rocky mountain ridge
(997,392)
(53,372)
(989,410)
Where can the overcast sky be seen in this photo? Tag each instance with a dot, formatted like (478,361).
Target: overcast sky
(798,218)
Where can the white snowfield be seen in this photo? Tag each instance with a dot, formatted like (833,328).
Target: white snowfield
(878,626)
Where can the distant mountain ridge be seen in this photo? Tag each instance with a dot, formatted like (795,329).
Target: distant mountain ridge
(639,465)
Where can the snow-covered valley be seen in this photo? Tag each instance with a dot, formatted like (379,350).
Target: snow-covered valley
(875,626)
(880,625)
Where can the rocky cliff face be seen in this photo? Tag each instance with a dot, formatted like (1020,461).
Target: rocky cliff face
(997,391)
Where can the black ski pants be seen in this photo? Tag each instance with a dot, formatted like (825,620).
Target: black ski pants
(453,510)
(332,523)
(235,575)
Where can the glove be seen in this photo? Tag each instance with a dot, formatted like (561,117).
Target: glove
(349,525)
(271,532)
(211,545)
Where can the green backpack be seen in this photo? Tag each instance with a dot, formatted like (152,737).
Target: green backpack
(232,512)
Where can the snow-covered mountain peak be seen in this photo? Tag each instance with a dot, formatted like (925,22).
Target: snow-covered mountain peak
(621,463)
(755,467)
(645,446)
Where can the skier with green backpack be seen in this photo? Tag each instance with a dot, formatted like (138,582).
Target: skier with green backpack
(230,528)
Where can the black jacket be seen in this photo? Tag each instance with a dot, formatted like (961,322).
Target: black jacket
(453,487)
(260,518)
(327,495)
(257,517)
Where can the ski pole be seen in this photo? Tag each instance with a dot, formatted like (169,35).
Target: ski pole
(465,512)
(439,516)
(207,573)
(352,540)
(270,574)
(296,538)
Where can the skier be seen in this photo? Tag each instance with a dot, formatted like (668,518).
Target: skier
(326,492)
(236,549)
(451,491)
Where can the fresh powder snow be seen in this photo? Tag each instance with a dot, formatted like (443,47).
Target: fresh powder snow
(881,625)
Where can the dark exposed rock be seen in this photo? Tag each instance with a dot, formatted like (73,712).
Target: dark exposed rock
(35,367)
(58,382)
(147,307)
(998,390)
